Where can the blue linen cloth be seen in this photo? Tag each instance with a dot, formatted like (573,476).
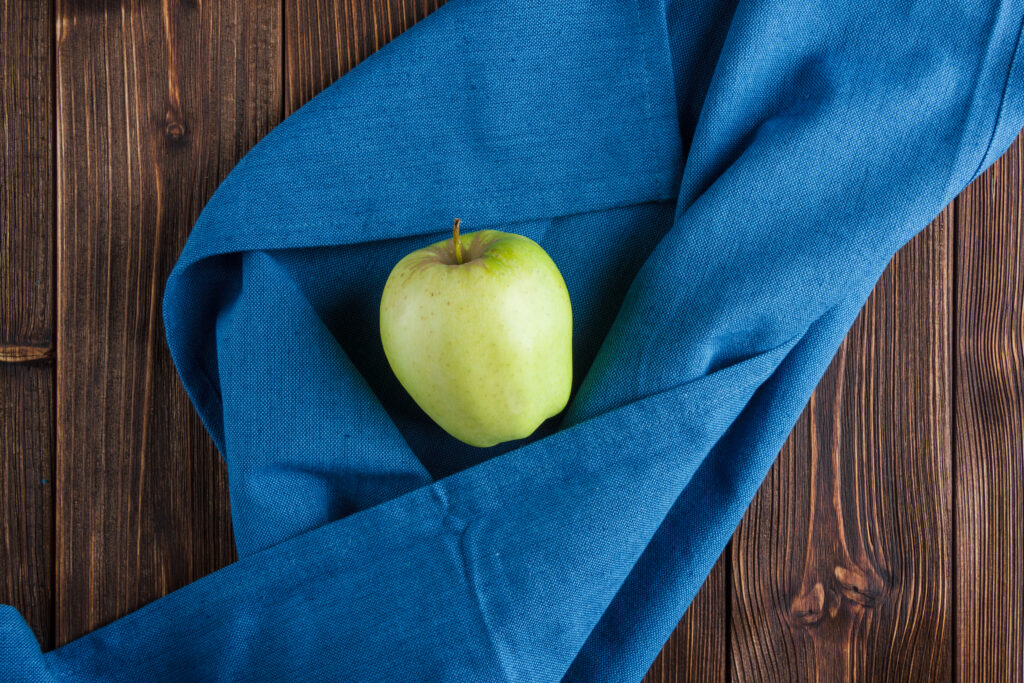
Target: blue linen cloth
(721,183)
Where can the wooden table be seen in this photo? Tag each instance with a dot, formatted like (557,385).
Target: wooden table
(887,543)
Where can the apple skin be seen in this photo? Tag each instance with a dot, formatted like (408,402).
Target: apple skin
(484,347)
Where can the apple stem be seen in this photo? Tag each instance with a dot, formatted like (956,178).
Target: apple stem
(457,241)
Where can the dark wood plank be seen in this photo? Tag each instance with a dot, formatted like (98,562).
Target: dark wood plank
(26,175)
(324,39)
(26,494)
(842,568)
(26,311)
(156,102)
(989,430)
(696,650)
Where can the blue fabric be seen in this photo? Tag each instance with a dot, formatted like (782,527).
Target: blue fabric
(720,183)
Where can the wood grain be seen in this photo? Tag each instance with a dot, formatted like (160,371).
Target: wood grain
(24,354)
(26,494)
(26,312)
(26,174)
(156,102)
(842,567)
(325,39)
(696,650)
(990,425)
(886,543)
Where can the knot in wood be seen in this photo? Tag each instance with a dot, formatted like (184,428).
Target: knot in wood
(858,586)
(808,607)
(174,128)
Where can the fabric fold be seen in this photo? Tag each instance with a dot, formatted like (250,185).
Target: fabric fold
(721,184)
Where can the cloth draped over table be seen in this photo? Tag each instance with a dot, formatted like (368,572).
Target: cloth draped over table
(721,183)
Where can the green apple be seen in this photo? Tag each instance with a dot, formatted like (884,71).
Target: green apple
(478,329)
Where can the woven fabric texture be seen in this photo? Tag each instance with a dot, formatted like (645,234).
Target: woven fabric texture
(721,183)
